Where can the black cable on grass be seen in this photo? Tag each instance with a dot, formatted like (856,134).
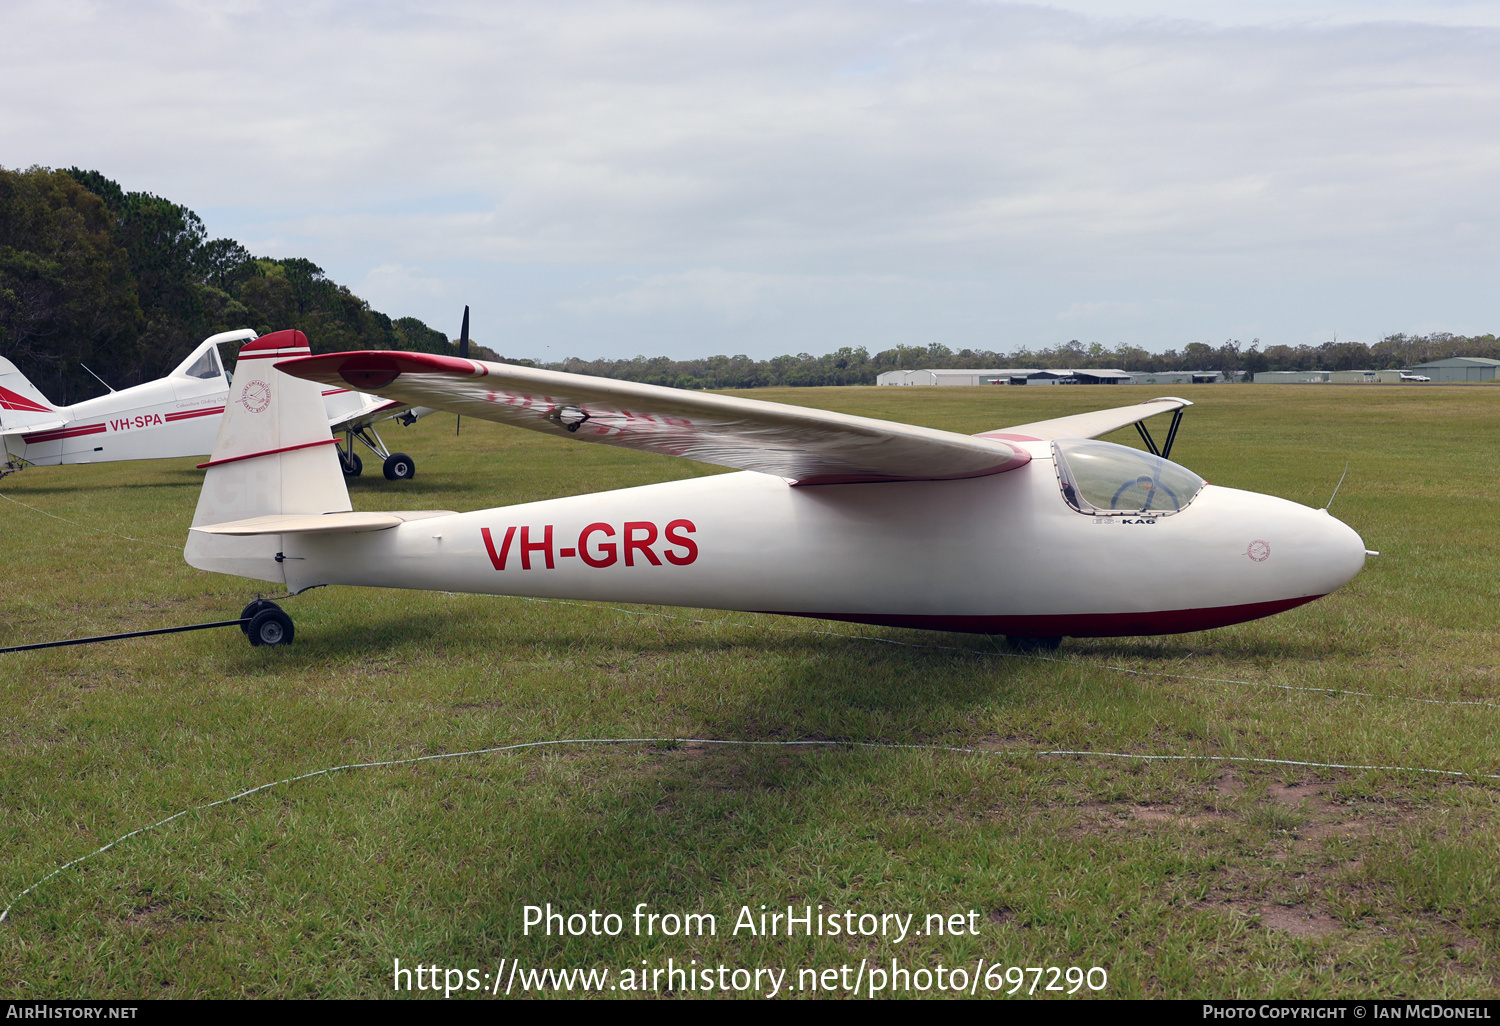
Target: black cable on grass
(127,634)
(1035,753)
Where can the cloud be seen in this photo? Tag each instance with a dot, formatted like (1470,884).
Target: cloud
(1275,164)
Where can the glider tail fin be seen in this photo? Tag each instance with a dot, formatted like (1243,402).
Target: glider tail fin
(274,454)
(22,404)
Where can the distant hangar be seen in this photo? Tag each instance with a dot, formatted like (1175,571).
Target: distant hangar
(1454,370)
(1459,368)
(1047,376)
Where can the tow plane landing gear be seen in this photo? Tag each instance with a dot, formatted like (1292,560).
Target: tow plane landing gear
(397,466)
(268,624)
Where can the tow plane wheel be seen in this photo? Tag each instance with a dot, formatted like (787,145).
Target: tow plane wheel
(1018,644)
(400,467)
(350,461)
(260,605)
(271,627)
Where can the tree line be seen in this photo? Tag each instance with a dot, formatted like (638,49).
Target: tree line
(127,283)
(856,366)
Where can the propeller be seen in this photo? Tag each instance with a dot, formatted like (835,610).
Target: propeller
(463,352)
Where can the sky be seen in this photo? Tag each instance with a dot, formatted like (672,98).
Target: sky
(600,178)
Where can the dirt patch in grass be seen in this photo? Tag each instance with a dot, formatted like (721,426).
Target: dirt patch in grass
(1098,817)
(1298,920)
(153,916)
(1228,783)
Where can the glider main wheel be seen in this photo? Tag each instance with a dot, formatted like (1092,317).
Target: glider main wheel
(1032,644)
(400,467)
(271,627)
(254,608)
(351,463)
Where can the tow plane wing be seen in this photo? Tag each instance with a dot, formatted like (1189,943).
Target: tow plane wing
(804,446)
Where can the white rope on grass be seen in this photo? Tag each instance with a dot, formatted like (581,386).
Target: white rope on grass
(1035,753)
(95,530)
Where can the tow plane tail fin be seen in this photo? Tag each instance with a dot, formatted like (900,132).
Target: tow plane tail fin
(22,405)
(273,455)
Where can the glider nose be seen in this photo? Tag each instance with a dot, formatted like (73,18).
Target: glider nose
(1334,551)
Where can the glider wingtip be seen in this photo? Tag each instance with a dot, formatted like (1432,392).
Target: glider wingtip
(373,369)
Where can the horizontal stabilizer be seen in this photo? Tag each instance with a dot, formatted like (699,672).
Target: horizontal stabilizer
(803,445)
(349,410)
(43,429)
(1088,425)
(320,523)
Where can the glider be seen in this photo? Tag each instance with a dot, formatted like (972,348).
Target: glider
(174,416)
(1035,532)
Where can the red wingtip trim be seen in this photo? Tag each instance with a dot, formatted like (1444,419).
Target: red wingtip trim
(290,338)
(374,369)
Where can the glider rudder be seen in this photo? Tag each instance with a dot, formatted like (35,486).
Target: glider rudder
(274,454)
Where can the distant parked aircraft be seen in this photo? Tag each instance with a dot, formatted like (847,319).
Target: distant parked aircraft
(174,416)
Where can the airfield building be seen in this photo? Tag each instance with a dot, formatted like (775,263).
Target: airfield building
(948,377)
(1317,377)
(1189,377)
(1007,376)
(1458,369)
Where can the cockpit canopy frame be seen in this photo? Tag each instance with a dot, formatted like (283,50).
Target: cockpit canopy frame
(1104,479)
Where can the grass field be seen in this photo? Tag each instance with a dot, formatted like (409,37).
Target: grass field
(1207,876)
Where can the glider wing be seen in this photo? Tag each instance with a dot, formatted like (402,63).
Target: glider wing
(1087,425)
(803,445)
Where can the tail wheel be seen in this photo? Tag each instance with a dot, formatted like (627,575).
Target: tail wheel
(271,627)
(350,461)
(249,612)
(400,467)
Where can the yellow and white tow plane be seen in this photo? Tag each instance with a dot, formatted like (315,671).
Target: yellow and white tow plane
(1035,532)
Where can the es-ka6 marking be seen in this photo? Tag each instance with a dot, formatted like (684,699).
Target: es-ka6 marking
(832,516)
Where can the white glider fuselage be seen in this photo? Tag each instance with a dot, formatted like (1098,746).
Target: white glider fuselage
(1034,531)
(999,554)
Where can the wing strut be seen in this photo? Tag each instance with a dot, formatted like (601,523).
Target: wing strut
(1166,450)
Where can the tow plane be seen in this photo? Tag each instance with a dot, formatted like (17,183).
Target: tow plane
(174,416)
(1036,531)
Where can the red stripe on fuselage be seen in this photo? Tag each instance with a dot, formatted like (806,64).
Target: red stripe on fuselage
(1074,625)
(207,411)
(60,433)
